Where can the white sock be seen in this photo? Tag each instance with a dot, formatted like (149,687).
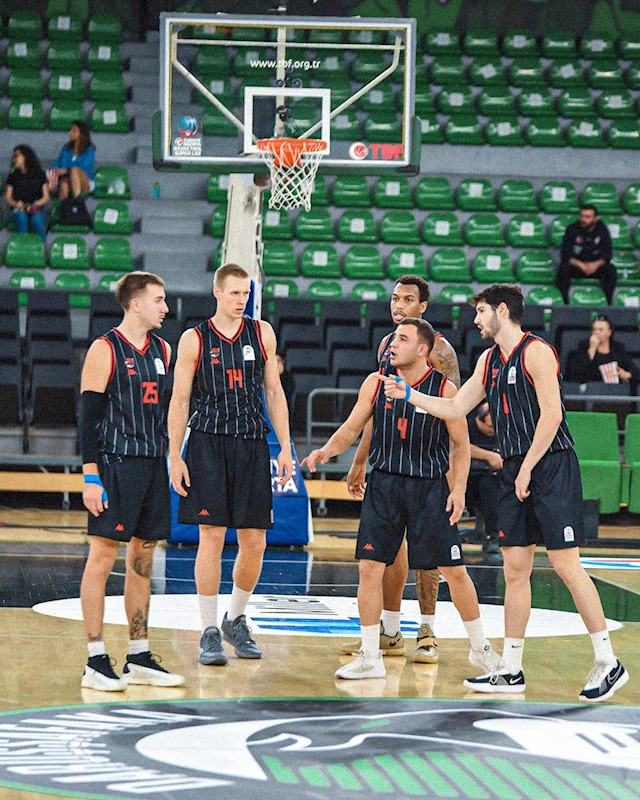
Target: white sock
(476,634)
(370,640)
(137,646)
(208,610)
(428,619)
(238,603)
(602,647)
(96,649)
(390,622)
(512,654)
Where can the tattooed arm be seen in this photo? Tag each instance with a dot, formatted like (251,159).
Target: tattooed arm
(443,358)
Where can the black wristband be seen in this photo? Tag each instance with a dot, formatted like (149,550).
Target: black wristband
(91,411)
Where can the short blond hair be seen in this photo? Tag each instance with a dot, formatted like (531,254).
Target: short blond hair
(228,271)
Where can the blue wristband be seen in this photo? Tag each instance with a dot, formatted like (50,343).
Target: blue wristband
(408,393)
(96,479)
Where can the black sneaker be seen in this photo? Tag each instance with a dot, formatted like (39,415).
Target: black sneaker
(143,668)
(211,649)
(99,675)
(603,681)
(238,633)
(497,682)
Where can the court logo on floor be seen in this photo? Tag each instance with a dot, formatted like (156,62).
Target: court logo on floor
(260,749)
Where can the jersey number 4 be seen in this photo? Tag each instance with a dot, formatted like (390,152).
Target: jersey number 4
(150,392)
(402,427)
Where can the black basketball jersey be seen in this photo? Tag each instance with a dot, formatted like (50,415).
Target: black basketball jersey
(513,401)
(384,364)
(227,390)
(405,439)
(134,421)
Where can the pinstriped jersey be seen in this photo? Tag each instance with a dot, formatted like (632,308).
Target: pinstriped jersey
(513,401)
(134,422)
(384,364)
(227,390)
(405,439)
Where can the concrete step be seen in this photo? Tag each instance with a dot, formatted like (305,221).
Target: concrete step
(147,49)
(141,64)
(182,248)
(167,209)
(143,155)
(171,226)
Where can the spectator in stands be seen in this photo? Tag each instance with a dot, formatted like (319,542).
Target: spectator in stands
(587,362)
(27,192)
(484,478)
(287,380)
(75,166)
(586,253)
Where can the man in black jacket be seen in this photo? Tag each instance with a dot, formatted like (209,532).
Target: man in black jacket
(586,253)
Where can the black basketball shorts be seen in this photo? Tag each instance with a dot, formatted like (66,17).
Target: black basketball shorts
(395,503)
(139,504)
(552,514)
(230,482)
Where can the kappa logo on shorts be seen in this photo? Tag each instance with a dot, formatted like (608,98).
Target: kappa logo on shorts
(204,513)
(569,535)
(368,546)
(455,552)
(120,527)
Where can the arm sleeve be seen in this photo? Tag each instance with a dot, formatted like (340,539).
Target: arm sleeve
(605,245)
(91,404)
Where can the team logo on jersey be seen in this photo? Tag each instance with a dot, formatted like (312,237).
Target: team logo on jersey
(388,404)
(215,355)
(455,553)
(494,375)
(130,364)
(569,535)
(159,366)
(511,375)
(248,353)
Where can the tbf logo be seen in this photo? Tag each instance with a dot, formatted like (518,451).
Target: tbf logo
(379,152)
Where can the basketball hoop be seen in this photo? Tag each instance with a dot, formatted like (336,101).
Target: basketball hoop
(293,164)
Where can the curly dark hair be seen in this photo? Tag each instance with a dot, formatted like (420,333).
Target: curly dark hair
(32,165)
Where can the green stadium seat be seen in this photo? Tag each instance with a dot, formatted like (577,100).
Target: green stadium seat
(303,116)
(65,86)
(112,254)
(24,26)
(64,57)
(214,123)
(280,288)
(217,188)
(64,28)
(351,191)
(430,130)
(325,290)
(441,42)
(604,196)
(484,230)
(516,195)
(464,130)
(213,62)
(455,294)
(591,296)
(628,298)
(476,194)
(74,282)
(564,73)
(456,100)
(633,76)
(629,48)
(332,66)
(624,134)
(559,197)
(366,292)
(545,296)
(315,225)
(596,445)
(545,132)
(25,85)
(27,279)
(24,55)
(496,100)
(25,251)
(320,261)
(406,261)
(363,262)
(110,118)
(627,268)
(449,264)
(631,200)
(536,101)
(383,126)
(112,217)
(447,71)
(107,86)
(112,182)
(559,44)
(104,29)
(367,37)
(320,193)
(576,102)
(526,72)
(26,115)
(104,58)
(615,104)
(399,227)
(597,48)
(605,75)
(221,86)
(218,222)
(326,35)
(64,113)
(357,226)
(250,34)
(346,126)
(392,193)
(619,230)
(481,42)
(435,194)
(518,43)
(526,230)
(504,132)
(107,283)
(585,133)
(69,252)
(279,258)
(558,227)
(424,102)
(368,65)
(632,458)
(442,229)
(276,224)
(492,266)
(536,266)
(487,72)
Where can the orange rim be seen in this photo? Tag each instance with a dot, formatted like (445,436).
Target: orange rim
(287,152)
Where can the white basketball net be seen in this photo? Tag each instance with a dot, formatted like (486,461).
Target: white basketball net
(293,164)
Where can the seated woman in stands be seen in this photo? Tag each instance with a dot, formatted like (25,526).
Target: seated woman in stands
(27,192)
(75,166)
(602,358)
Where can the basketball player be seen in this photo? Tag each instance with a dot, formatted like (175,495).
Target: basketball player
(226,479)
(409,299)
(408,490)
(540,497)
(124,443)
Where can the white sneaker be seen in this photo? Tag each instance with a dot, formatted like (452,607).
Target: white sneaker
(99,675)
(604,679)
(145,670)
(498,682)
(487,660)
(363,667)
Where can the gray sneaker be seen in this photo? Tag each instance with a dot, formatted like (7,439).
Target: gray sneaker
(211,649)
(238,633)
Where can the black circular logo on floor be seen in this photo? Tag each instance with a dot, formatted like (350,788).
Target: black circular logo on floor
(294,749)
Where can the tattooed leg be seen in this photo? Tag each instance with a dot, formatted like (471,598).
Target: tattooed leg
(137,586)
(427,581)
